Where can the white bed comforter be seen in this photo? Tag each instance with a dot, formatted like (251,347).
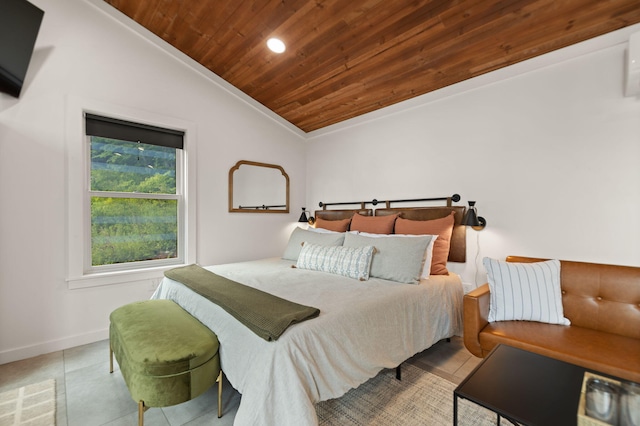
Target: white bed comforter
(363,327)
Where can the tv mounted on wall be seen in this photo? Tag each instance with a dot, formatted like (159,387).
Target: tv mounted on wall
(19,26)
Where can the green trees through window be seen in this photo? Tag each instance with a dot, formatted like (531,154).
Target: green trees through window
(134,202)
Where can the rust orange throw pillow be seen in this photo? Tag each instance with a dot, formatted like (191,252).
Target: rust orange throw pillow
(373,224)
(333,225)
(440,227)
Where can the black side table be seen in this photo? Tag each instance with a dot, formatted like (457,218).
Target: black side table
(523,387)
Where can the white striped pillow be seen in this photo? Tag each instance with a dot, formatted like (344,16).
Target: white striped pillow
(352,262)
(525,291)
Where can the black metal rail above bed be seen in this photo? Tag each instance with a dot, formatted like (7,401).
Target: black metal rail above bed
(374,202)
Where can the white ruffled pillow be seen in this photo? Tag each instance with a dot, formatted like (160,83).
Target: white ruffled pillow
(352,262)
(525,291)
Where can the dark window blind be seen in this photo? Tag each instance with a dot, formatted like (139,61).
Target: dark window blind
(114,128)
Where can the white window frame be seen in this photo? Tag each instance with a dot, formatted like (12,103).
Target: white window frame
(80,273)
(178,196)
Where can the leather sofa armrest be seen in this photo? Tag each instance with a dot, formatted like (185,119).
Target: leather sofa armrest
(476,314)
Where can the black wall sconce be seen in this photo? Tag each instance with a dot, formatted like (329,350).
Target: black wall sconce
(304,219)
(472,219)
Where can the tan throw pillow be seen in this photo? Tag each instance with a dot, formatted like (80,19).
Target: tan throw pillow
(442,228)
(333,225)
(373,224)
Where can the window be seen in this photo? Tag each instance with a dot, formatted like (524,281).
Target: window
(134,196)
(104,127)
(140,268)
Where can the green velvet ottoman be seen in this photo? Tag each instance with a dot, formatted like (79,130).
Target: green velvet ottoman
(166,356)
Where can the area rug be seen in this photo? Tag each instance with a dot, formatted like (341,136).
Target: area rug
(420,398)
(32,405)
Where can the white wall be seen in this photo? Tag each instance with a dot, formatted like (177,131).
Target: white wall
(552,157)
(84,53)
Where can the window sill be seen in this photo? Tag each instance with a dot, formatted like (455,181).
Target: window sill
(118,277)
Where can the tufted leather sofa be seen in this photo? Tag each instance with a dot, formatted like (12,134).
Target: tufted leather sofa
(601,301)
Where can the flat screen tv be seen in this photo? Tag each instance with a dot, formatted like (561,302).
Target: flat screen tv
(19,26)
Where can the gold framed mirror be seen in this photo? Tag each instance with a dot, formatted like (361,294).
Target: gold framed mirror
(258,188)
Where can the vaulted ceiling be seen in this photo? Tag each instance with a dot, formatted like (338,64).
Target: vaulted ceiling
(345,58)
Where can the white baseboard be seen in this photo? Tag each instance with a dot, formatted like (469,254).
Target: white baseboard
(25,352)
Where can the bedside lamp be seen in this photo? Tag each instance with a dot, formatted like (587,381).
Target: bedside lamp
(304,219)
(472,219)
(303,216)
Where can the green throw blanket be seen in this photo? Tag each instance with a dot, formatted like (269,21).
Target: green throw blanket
(265,314)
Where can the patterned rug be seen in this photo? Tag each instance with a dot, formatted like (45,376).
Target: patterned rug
(32,405)
(420,398)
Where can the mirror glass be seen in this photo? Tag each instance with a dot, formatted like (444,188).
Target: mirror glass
(258,188)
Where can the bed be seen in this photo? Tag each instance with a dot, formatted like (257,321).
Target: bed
(363,327)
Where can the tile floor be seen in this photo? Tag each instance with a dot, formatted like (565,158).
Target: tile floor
(89,396)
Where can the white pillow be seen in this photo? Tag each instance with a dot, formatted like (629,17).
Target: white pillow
(397,258)
(299,235)
(322,230)
(428,253)
(352,262)
(525,291)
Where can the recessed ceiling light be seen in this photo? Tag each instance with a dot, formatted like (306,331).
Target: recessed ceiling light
(276,45)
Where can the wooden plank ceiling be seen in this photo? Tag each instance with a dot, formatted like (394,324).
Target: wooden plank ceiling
(345,58)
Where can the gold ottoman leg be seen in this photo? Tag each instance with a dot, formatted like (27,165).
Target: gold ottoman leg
(141,409)
(110,359)
(219,380)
